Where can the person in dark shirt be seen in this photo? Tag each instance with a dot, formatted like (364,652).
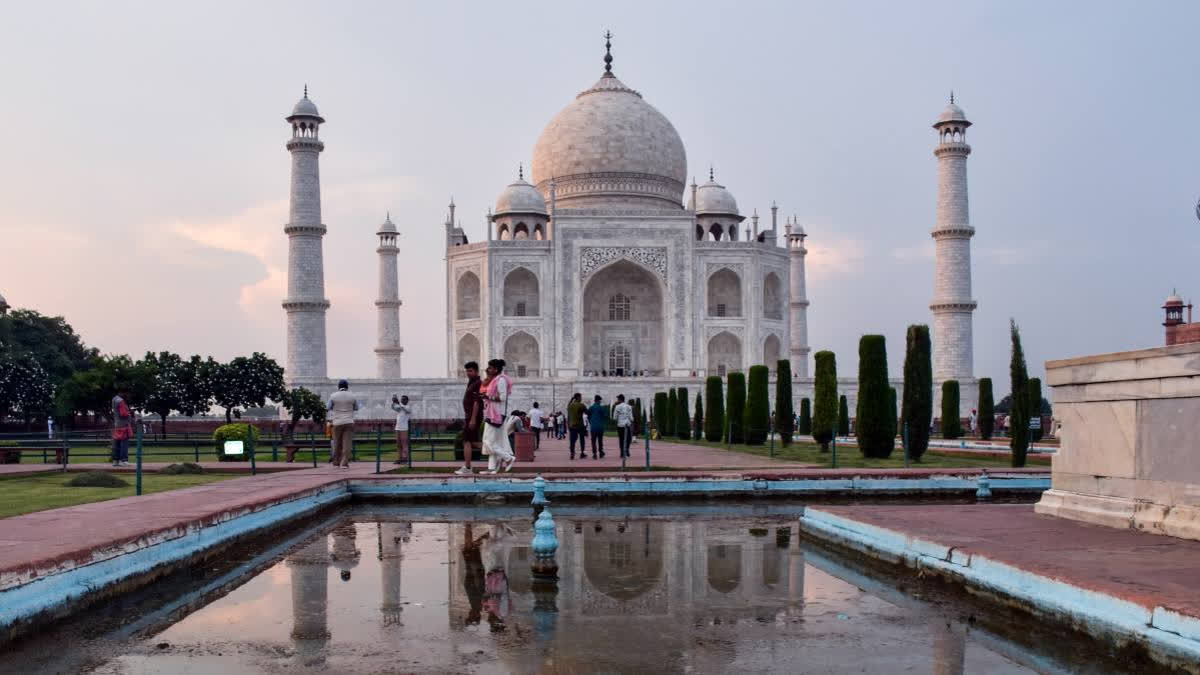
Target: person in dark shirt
(575,414)
(473,576)
(472,415)
(597,421)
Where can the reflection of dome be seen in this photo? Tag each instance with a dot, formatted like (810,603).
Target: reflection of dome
(520,197)
(608,143)
(624,565)
(714,199)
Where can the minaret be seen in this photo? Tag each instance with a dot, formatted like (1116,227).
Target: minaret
(310,600)
(952,304)
(388,350)
(305,303)
(798,298)
(392,537)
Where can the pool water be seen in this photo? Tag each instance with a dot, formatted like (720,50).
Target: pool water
(647,589)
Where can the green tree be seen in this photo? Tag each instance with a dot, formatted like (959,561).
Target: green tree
(843,417)
(1034,387)
(661,408)
(302,403)
(825,398)
(91,391)
(167,376)
(893,419)
(875,438)
(757,415)
(951,415)
(917,403)
(637,415)
(197,386)
(698,420)
(987,409)
(25,387)
(1019,380)
(804,424)
(714,425)
(683,421)
(669,417)
(785,412)
(735,407)
(245,382)
(51,342)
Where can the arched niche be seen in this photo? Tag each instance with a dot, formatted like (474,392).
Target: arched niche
(522,355)
(468,349)
(724,293)
(467,296)
(624,565)
(623,305)
(771,350)
(772,296)
(724,567)
(521,293)
(724,353)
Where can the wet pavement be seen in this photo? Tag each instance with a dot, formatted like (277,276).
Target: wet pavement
(673,588)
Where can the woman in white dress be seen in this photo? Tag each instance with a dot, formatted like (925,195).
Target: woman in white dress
(498,423)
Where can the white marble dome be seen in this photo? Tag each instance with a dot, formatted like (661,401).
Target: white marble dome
(607,145)
(952,113)
(520,197)
(305,107)
(714,199)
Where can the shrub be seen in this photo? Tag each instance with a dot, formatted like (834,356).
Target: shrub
(1034,387)
(758,417)
(987,409)
(97,479)
(825,400)
(876,427)
(698,421)
(951,422)
(714,426)
(917,408)
(804,425)
(843,417)
(683,422)
(735,408)
(184,468)
(1019,417)
(246,433)
(893,419)
(670,414)
(661,402)
(637,415)
(785,412)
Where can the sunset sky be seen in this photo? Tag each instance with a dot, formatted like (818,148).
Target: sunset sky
(144,188)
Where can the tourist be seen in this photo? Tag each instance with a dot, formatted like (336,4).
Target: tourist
(122,427)
(472,416)
(403,414)
(345,554)
(473,573)
(597,421)
(575,421)
(497,422)
(342,406)
(496,599)
(535,423)
(973,421)
(50,427)
(623,412)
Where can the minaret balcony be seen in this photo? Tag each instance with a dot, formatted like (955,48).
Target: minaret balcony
(303,143)
(952,148)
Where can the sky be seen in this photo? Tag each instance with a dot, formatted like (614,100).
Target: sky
(144,186)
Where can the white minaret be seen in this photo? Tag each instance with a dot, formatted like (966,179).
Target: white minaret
(310,600)
(388,350)
(953,357)
(305,302)
(798,298)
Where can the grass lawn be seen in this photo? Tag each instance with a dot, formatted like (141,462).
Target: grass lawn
(849,456)
(365,447)
(26,494)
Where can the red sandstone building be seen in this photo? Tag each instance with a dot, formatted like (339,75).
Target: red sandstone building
(1179,331)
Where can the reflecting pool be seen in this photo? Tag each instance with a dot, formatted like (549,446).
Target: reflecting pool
(645,589)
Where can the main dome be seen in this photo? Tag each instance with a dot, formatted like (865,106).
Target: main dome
(609,147)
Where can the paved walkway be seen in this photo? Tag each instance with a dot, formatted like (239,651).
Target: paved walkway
(1147,569)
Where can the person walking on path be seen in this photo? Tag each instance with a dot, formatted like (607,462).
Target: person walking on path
(122,419)
(403,414)
(535,422)
(498,422)
(597,421)
(575,415)
(342,406)
(623,413)
(472,416)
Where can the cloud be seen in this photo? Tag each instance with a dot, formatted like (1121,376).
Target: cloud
(834,258)
(922,252)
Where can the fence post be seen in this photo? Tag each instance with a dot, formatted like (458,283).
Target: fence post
(66,450)
(138,431)
(378,445)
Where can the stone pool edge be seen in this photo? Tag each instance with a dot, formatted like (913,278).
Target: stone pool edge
(1175,634)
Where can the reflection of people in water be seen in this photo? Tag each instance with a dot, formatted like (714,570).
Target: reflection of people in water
(345,549)
(473,577)
(496,597)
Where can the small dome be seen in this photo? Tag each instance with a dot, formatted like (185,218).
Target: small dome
(714,199)
(305,106)
(521,197)
(952,113)
(388,227)
(1174,300)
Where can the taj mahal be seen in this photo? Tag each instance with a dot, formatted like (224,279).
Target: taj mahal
(607,272)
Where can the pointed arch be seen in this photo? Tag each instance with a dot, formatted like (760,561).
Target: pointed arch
(521,293)
(772,296)
(467,296)
(724,293)
(522,354)
(724,353)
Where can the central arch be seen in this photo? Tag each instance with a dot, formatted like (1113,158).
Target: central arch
(522,355)
(724,353)
(623,307)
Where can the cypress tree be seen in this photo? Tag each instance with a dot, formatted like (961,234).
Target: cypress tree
(1035,406)
(876,426)
(698,422)
(683,421)
(785,413)
(661,406)
(917,408)
(758,416)
(637,415)
(670,414)
(714,426)
(987,409)
(951,416)
(1019,415)
(843,417)
(894,421)
(825,398)
(804,426)
(735,408)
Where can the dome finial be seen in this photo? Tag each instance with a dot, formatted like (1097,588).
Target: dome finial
(951,97)
(520,171)
(305,90)
(608,52)
(711,179)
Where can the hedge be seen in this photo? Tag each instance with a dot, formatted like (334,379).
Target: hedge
(714,424)
(843,417)
(825,398)
(876,427)
(951,416)
(758,414)
(804,426)
(917,408)
(1035,406)
(234,432)
(987,409)
(661,406)
(683,421)
(785,412)
(1019,415)
(736,407)
(698,420)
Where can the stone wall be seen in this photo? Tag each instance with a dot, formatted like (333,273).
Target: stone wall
(1182,334)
